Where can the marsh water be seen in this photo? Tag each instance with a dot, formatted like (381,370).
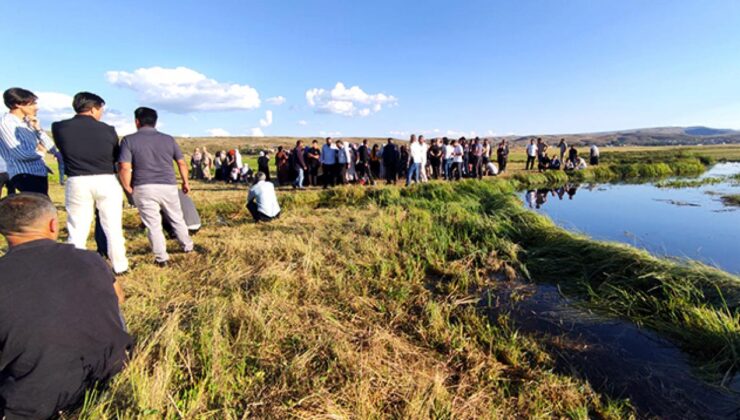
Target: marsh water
(678,222)
(616,357)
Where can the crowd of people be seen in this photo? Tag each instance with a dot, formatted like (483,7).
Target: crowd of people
(564,158)
(99,172)
(61,329)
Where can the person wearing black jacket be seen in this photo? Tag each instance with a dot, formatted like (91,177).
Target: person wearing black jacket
(90,150)
(363,163)
(299,164)
(61,327)
(390,161)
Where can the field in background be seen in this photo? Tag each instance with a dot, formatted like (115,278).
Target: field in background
(307,316)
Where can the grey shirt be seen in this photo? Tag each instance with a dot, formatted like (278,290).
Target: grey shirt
(151,154)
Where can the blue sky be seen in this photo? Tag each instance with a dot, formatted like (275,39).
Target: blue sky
(383,68)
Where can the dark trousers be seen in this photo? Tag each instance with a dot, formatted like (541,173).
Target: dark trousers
(5,182)
(363,171)
(31,183)
(390,173)
(456,170)
(329,174)
(257,215)
(501,164)
(530,163)
(341,170)
(478,167)
(594,160)
(436,167)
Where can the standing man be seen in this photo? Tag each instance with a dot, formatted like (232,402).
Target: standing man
(20,136)
(563,146)
(89,149)
(363,163)
(390,161)
(329,163)
(299,164)
(531,155)
(416,157)
(476,151)
(502,155)
(342,162)
(149,154)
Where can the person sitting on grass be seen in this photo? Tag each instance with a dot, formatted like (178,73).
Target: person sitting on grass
(555,163)
(262,202)
(61,327)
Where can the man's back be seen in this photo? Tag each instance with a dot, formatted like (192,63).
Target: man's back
(264,195)
(151,154)
(89,147)
(59,324)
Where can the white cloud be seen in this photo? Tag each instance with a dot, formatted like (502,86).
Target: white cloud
(218,132)
(276,100)
(124,125)
(267,121)
(330,133)
(455,133)
(348,102)
(182,90)
(398,133)
(257,132)
(54,106)
(303,122)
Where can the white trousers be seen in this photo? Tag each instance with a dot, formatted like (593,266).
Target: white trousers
(85,193)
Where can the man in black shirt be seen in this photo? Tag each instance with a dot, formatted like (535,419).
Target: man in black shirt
(61,330)
(90,150)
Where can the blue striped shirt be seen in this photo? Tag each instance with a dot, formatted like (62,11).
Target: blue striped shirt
(18,142)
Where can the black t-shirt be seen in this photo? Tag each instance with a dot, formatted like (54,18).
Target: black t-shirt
(60,327)
(88,146)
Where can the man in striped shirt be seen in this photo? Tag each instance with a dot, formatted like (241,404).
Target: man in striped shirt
(20,136)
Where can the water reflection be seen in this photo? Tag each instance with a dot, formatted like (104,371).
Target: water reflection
(679,222)
(535,199)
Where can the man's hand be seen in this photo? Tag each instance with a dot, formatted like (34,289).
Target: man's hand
(185,186)
(33,122)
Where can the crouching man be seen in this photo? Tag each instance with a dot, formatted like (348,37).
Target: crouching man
(262,202)
(61,330)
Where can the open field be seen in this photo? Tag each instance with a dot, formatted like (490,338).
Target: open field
(366,302)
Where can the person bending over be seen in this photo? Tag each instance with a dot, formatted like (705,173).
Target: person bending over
(61,331)
(262,202)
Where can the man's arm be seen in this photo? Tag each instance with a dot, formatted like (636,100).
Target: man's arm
(183,168)
(124,174)
(119,292)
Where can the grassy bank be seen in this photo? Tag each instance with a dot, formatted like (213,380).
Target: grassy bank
(731,200)
(356,303)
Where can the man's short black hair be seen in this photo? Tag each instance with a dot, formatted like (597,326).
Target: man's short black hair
(147,117)
(85,101)
(15,97)
(20,211)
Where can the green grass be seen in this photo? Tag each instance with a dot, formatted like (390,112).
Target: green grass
(689,183)
(362,302)
(731,200)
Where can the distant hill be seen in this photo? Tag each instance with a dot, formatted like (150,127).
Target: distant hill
(658,136)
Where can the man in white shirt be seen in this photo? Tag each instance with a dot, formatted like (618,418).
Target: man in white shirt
(329,163)
(262,202)
(416,157)
(447,149)
(342,162)
(594,155)
(531,155)
(20,136)
(457,160)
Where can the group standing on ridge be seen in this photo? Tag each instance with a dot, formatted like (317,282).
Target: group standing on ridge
(99,173)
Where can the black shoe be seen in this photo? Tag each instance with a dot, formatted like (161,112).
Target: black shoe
(162,264)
